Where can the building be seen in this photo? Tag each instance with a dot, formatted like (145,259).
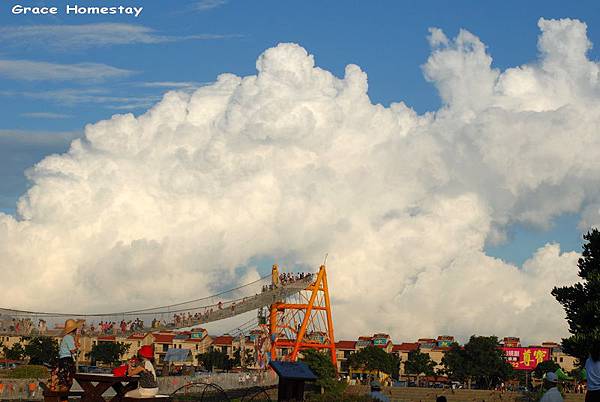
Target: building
(251,348)
(224,344)
(402,350)
(510,342)
(566,362)
(343,350)
(162,342)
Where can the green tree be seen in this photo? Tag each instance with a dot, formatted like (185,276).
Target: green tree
(456,365)
(581,301)
(544,367)
(376,359)
(321,365)
(480,360)
(16,352)
(41,350)
(419,363)
(215,359)
(108,352)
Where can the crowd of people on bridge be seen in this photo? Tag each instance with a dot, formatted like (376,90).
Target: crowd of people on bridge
(26,326)
(287,278)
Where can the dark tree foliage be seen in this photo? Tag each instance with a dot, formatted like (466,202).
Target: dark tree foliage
(544,367)
(582,301)
(456,365)
(249,359)
(480,360)
(321,365)
(372,358)
(216,359)
(108,352)
(237,358)
(16,352)
(419,363)
(41,350)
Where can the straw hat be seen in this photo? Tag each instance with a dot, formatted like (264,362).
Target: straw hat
(71,325)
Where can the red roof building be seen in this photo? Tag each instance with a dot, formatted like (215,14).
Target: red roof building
(345,345)
(163,338)
(223,343)
(223,340)
(405,347)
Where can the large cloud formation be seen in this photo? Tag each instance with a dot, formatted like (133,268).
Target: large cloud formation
(294,162)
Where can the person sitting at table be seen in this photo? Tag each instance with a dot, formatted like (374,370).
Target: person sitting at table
(67,354)
(147,385)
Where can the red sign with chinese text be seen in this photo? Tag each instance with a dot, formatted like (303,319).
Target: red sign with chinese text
(526,358)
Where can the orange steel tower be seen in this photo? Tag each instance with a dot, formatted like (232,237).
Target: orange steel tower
(303,321)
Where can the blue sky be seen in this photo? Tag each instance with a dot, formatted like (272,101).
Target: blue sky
(51,88)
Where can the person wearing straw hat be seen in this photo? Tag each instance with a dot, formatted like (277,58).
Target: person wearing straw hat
(147,385)
(66,354)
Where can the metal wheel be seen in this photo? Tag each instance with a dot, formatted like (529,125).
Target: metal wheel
(200,391)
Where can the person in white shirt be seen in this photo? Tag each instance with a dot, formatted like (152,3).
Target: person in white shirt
(147,385)
(552,393)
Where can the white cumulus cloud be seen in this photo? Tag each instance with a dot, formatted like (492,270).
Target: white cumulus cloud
(294,162)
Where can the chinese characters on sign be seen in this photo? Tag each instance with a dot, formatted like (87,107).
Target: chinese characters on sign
(526,358)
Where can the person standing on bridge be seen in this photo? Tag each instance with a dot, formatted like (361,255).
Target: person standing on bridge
(67,353)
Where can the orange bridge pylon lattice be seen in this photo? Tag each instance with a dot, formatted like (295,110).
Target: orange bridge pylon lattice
(303,321)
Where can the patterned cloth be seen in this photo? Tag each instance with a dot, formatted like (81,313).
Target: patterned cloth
(148,376)
(61,377)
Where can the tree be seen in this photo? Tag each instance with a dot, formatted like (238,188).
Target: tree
(249,359)
(487,360)
(544,367)
(456,365)
(480,360)
(41,350)
(16,352)
(321,365)
(419,363)
(581,301)
(237,359)
(372,358)
(108,352)
(216,359)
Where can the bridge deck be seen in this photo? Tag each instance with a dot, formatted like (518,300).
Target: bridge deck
(215,312)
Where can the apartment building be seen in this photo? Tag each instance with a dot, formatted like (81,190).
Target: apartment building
(343,350)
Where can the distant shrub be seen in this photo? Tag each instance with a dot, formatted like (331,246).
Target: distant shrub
(30,371)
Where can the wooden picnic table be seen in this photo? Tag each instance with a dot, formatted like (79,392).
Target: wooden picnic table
(95,385)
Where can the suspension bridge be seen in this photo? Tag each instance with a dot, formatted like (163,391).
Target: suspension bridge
(299,314)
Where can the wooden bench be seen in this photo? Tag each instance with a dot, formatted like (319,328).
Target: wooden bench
(58,396)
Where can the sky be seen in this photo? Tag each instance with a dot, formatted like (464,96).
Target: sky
(431,145)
